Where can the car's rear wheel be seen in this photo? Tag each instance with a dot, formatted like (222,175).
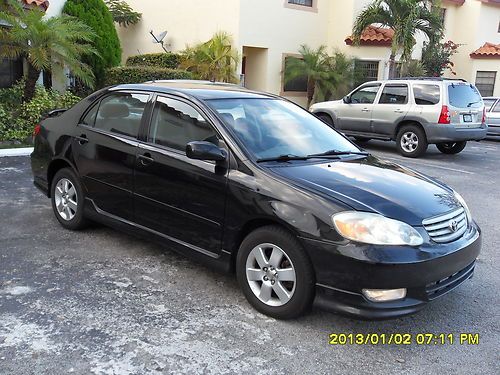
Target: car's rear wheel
(451,147)
(67,200)
(411,141)
(275,273)
(326,119)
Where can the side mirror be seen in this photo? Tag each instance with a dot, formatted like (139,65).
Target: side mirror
(347,99)
(201,150)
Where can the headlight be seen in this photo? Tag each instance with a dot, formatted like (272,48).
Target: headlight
(464,205)
(375,229)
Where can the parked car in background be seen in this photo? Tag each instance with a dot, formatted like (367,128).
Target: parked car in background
(492,106)
(250,182)
(414,112)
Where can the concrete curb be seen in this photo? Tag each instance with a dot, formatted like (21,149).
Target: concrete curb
(16,151)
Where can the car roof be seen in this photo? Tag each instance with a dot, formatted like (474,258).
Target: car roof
(429,80)
(198,89)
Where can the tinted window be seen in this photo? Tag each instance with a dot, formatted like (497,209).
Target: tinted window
(426,94)
(365,95)
(488,103)
(464,96)
(394,94)
(121,113)
(269,128)
(89,118)
(176,123)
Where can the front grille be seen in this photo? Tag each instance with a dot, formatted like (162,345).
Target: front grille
(447,227)
(443,286)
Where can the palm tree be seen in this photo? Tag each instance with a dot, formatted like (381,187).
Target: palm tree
(45,43)
(214,60)
(326,75)
(406,18)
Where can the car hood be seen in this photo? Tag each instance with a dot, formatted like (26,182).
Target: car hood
(370,184)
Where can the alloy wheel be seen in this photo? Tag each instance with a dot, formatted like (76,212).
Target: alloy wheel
(270,274)
(66,199)
(409,142)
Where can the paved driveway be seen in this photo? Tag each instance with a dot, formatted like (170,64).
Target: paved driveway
(104,302)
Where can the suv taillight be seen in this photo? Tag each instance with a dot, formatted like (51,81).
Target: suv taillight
(37,129)
(444,117)
(483,121)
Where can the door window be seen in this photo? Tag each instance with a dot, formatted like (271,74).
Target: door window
(365,95)
(394,94)
(176,123)
(121,113)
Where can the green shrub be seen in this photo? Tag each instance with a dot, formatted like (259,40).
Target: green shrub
(96,15)
(156,60)
(139,74)
(12,97)
(17,122)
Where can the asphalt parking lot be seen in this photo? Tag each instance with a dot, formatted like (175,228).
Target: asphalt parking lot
(103,302)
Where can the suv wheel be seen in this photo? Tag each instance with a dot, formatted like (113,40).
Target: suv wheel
(275,273)
(67,200)
(451,147)
(326,119)
(411,141)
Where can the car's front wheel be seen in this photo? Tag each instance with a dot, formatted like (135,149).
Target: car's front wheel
(275,273)
(67,200)
(411,141)
(326,119)
(451,147)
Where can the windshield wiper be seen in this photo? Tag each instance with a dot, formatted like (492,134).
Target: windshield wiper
(339,153)
(283,158)
(471,103)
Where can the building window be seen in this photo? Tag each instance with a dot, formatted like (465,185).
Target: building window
(365,71)
(306,3)
(10,72)
(485,82)
(297,85)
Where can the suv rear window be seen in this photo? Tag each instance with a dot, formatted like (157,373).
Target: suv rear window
(464,96)
(426,94)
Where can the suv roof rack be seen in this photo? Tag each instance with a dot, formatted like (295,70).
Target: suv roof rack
(429,79)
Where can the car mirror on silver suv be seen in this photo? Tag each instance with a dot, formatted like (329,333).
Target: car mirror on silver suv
(347,99)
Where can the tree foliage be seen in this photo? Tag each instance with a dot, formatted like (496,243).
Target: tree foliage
(214,60)
(407,18)
(436,57)
(44,43)
(122,13)
(327,76)
(97,16)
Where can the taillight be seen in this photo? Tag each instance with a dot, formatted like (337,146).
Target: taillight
(36,130)
(444,117)
(483,121)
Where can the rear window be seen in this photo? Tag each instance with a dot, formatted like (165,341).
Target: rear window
(426,94)
(464,96)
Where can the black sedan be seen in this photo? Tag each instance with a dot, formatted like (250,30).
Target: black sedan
(251,183)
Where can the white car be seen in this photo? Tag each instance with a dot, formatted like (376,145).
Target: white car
(414,112)
(492,105)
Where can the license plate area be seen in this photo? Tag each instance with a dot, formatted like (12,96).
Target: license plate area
(467,118)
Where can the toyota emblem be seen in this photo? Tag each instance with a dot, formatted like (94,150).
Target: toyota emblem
(453,225)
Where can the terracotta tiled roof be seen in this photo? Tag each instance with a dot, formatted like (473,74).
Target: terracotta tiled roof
(374,36)
(488,50)
(457,2)
(44,4)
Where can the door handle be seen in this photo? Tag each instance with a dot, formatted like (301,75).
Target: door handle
(398,111)
(146,159)
(365,110)
(82,139)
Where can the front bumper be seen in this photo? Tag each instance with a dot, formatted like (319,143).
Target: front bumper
(438,133)
(425,274)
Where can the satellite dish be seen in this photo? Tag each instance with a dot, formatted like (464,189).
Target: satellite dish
(158,39)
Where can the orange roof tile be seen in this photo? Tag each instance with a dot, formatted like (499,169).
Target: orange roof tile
(488,50)
(374,36)
(44,4)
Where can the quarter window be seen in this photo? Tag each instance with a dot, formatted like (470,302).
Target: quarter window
(89,118)
(485,82)
(176,123)
(121,113)
(365,95)
(394,94)
(496,108)
(426,94)
(488,103)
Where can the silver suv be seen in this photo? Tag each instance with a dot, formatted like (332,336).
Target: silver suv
(414,112)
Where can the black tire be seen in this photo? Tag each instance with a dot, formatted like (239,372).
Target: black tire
(451,148)
(362,139)
(417,136)
(295,258)
(77,221)
(326,119)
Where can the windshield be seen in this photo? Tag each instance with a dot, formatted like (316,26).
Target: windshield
(464,96)
(270,128)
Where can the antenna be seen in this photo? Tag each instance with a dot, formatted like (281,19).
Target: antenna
(158,39)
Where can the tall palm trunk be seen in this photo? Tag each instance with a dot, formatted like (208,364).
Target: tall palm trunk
(32,77)
(392,65)
(311,84)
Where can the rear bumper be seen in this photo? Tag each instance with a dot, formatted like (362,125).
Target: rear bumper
(437,133)
(427,273)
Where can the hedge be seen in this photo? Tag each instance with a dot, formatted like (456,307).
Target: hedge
(156,60)
(139,74)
